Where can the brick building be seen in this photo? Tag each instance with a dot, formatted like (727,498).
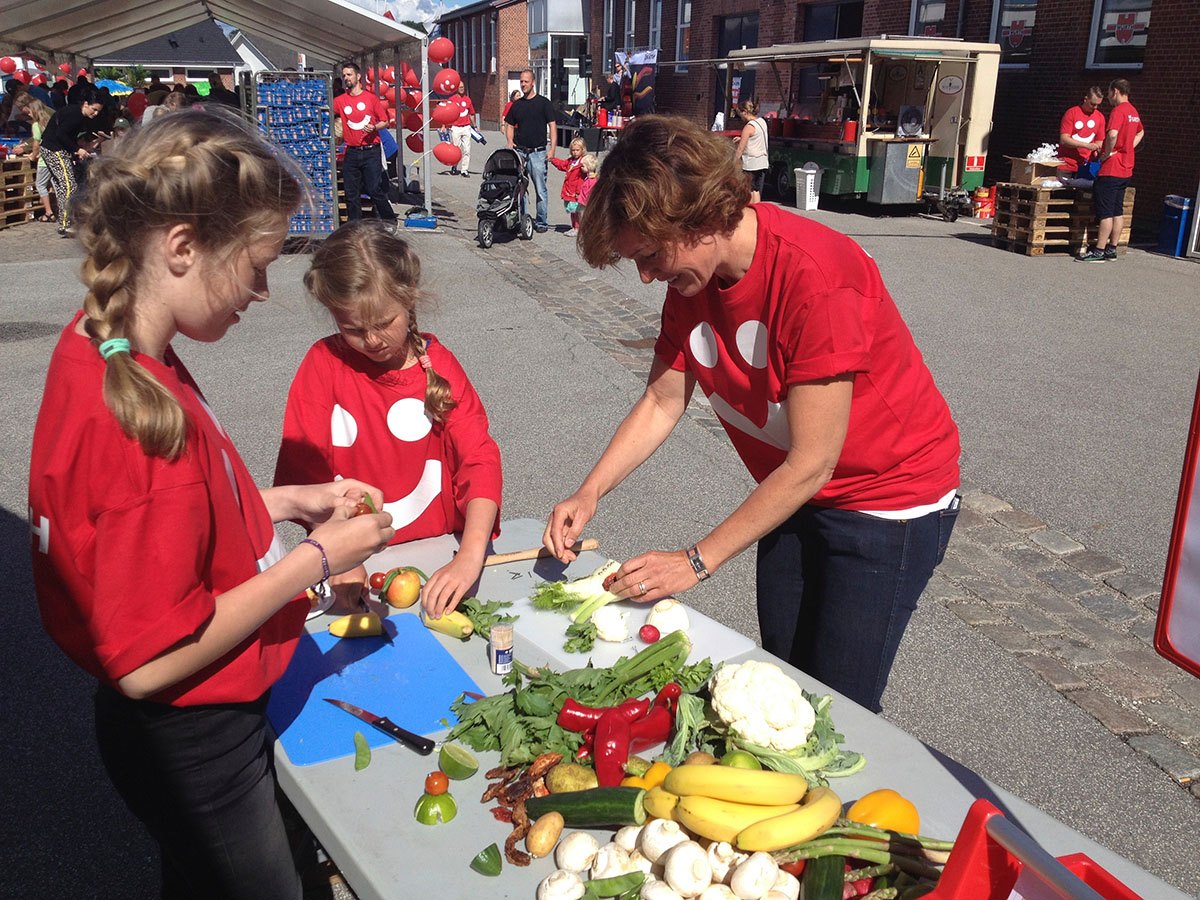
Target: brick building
(1053,50)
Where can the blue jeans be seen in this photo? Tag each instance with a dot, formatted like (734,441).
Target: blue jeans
(536,165)
(836,589)
(202,780)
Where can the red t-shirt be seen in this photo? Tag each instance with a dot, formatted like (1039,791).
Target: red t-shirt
(814,306)
(136,104)
(350,418)
(130,551)
(467,114)
(574,180)
(1082,126)
(1126,122)
(357,111)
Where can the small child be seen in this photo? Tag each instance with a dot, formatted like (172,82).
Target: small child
(380,396)
(570,191)
(590,166)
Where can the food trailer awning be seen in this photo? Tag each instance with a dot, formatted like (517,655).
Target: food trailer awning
(839,50)
(87,29)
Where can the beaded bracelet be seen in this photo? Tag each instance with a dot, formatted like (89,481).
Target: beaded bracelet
(320,585)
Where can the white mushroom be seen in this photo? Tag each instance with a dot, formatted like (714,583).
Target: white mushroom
(658,890)
(753,878)
(627,837)
(561,885)
(787,885)
(717,892)
(639,862)
(686,868)
(723,858)
(773,895)
(610,862)
(576,851)
(658,837)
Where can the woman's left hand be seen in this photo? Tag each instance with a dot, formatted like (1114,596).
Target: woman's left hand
(449,584)
(313,504)
(654,575)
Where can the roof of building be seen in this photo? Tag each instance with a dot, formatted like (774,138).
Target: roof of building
(203,44)
(471,9)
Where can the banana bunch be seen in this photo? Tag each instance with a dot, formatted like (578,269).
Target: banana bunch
(751,809)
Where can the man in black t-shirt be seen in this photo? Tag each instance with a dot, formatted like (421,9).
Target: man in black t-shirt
(534,135)
(218,93)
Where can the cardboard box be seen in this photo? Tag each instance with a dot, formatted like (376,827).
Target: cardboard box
(1026,172)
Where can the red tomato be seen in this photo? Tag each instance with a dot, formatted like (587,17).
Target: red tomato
(436,783)
(608,581)
(377,581)
(362,509)
(794,868)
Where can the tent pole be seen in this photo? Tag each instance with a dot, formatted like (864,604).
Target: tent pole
(427,147)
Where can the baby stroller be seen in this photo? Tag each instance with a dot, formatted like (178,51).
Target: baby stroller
(500,197)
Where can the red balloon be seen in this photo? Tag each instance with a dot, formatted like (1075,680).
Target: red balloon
(415,142)
(445,113)
(65,68)
(390,94)
(371,74)
(412,79)
(8,65)
(447,153)
(39,79)
(446,81)
(389,75)
(413,99)
(83,73)
(22,76)
(413,121)
(441,49)
(392,117)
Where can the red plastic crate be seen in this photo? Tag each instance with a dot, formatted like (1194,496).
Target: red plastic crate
(980,868)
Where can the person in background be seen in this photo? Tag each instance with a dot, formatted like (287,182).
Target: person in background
(505,128)
(788,329)
(534,135)
(61,149)
(136,104)
(460,131)
(384,400)
(572,166)
(362,115)
(81,84)
(1125,133)
(58,93)
(218,93)
(752,148)
(156,563)
(170,101)
(1081,135)
(39,117)
(612,93)
(590,166)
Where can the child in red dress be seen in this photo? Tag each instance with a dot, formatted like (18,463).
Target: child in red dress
(570,191)
(384,398)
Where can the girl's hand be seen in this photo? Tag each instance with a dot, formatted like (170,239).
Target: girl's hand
(566,524)
(348,590)
(313,504)
(349,542)
(662,574)
(449,584)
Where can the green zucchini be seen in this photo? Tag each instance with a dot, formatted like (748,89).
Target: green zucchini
(822,878)
(593,808)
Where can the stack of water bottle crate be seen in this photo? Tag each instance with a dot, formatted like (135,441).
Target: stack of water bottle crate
(294,111)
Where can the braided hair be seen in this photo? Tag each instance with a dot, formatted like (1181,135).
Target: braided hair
(205,169)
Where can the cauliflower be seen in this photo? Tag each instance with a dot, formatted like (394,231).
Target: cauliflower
(762,705)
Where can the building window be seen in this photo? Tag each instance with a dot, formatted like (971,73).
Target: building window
(1012,29)
(630,24)
(1119,32)
(655,40)
(476,44)
(683,34)
(607,64)
(927,18)
(830,21)
(495,47)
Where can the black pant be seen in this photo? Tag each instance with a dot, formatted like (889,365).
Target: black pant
(362,169)
(202,781)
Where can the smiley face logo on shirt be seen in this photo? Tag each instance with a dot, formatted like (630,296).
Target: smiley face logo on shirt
(359,111)
(750,339)
(1088,138)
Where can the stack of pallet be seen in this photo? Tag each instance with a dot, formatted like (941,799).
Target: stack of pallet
(1034,220)
(18,191)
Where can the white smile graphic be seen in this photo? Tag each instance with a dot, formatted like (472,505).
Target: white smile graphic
(775,431)
(1086,138)
(408,509)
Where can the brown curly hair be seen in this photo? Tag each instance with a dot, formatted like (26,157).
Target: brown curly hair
(361,269)
(668,179)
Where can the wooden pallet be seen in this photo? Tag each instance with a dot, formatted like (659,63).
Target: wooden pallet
(1034,220)
(18,191)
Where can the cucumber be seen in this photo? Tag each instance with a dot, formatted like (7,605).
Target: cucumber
(822,878)
(593,808)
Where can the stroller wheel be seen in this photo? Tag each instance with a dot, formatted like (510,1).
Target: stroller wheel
(486,233)
(526,232)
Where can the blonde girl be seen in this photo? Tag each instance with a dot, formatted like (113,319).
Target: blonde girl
(590,167)
(155,559)
(385,401)
(570,190)
(39,115)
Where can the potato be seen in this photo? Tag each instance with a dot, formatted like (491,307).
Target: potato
(544,834)
(700,758)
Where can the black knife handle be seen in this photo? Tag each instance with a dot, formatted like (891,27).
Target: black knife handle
(422,745)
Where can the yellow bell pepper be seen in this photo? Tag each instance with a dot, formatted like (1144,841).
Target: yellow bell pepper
(656,774)
(886,809)
(637,781)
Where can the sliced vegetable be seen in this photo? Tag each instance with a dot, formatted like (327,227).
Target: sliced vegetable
(362,752)
(595,808)
(487,861)
(435,809)
(457,762)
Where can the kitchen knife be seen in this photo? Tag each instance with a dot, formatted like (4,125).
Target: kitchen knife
(422,745)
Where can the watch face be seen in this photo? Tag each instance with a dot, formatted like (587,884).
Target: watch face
(951,84)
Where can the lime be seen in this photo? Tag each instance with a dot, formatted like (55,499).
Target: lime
(435,809)
(740,759)
(457,762)
(487,861)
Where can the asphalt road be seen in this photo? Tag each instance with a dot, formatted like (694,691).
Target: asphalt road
(1072,385)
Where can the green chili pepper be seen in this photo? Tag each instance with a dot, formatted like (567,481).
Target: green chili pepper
(362,752)
(617,885)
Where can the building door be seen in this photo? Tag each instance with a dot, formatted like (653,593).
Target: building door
(734,33)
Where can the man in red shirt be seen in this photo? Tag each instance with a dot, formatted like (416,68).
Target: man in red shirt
(363,116)
(1080,135)
(460,131)
(1125,132)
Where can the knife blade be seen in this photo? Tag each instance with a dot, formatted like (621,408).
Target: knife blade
(422,745)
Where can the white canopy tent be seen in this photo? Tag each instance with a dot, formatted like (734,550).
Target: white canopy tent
(79,31)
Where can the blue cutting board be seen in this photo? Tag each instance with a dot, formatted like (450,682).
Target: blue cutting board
(412,681)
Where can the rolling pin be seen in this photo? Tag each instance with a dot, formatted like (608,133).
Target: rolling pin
(536,553)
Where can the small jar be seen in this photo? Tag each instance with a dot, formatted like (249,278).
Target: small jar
(500,648)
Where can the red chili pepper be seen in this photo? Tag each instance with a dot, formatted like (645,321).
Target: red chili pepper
(612,747)
(669,695)
(584,752)
(634,709)
(652,729)
(577,717)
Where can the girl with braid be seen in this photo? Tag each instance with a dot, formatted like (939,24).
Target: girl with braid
(384,401)
(155,557)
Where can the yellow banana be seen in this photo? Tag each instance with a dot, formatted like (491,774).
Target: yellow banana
(454,624)
(816,815)
(755,786)
(721,820)
(357,625)
(660,803)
